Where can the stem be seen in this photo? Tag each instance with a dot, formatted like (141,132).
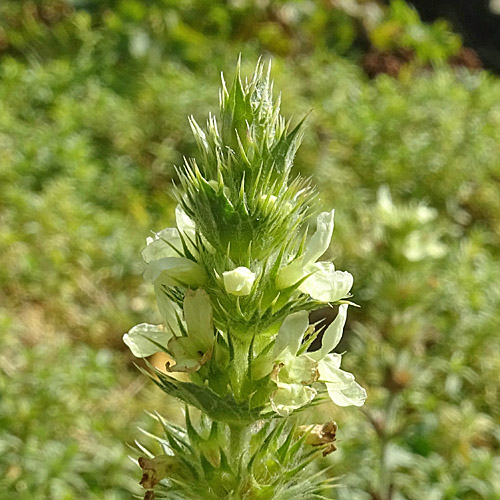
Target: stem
(235,439)
(240,364)
(239,437)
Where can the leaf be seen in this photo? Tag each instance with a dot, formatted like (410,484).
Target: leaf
(283,152)
(222,409)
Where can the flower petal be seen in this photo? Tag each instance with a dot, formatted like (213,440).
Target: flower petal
(192,351)
(174,271)
(326,284)
(170,311)
(185,224)
(332,334)
(290,274)
(419,245)
(158,248)
(186,355)
(291,333)
(138,339)
(291,369)
(341,386)
(289,397)
(199,318)
(320,240)
(354,395)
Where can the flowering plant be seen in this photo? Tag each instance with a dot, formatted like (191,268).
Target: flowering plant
(235,281)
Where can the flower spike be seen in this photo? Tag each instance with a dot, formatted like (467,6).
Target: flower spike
(235,281)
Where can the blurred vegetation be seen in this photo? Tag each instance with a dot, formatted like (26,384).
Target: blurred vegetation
(403,140)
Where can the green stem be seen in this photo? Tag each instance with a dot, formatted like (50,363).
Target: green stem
(240,364)
(236,434)
(239,436)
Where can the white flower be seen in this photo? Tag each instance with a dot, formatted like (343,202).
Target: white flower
(189,339)
(324,283)
(192,350)
(164,256)
(341,386)
(239,281)
(420,245)
(384,200)
(187,334)
(294,373)
(172,271)
(184,223)
(289,397)
(168,243)
(141,339)
(425,214)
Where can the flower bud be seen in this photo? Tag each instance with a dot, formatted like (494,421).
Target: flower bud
(239,281)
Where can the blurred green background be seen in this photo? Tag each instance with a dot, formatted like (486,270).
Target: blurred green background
(403,140)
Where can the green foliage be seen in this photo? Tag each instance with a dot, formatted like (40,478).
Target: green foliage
(432,139)
(138,33)
(63,413)
(421,338)
(401,28)
(426,332)
(76,161)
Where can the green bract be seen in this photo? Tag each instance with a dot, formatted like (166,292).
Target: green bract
(235,281)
